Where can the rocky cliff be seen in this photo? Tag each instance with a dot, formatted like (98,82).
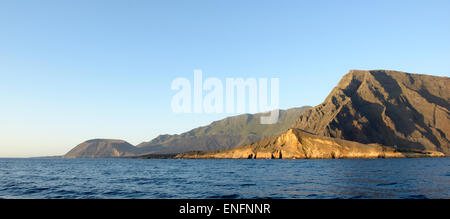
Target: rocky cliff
(409,111)
(297,144)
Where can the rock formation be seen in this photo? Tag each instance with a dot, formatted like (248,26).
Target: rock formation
(297,144)
(407,111)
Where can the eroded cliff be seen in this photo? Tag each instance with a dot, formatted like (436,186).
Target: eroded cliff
(410,111)
(297,144)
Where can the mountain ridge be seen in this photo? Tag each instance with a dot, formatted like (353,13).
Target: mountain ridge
(221,134)
(369,114)
(393,108)
(224,134)
(403,113)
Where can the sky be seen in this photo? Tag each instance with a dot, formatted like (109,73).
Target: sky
(73,70)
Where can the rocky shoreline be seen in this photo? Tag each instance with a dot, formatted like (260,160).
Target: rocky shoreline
(297,144)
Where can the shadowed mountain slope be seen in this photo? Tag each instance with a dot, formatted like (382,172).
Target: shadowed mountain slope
(410,111)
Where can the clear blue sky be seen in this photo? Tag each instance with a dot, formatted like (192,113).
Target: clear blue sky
(81,69)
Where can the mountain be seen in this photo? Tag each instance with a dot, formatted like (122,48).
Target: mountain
(376,113)
(102,148)
(296,143)
(369,114)
(223,134)
(409,111)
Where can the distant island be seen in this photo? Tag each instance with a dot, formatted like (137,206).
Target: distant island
(369,114)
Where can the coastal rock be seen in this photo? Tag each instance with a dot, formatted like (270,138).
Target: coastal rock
(297,144)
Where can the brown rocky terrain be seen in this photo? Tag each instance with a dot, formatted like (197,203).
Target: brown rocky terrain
(297,144)
(409,111)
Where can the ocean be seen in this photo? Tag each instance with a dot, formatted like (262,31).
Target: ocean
(216,179)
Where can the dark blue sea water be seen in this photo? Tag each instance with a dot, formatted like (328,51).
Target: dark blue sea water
(154,178)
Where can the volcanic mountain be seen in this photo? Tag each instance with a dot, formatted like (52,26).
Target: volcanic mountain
(102,148)
(406,111)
